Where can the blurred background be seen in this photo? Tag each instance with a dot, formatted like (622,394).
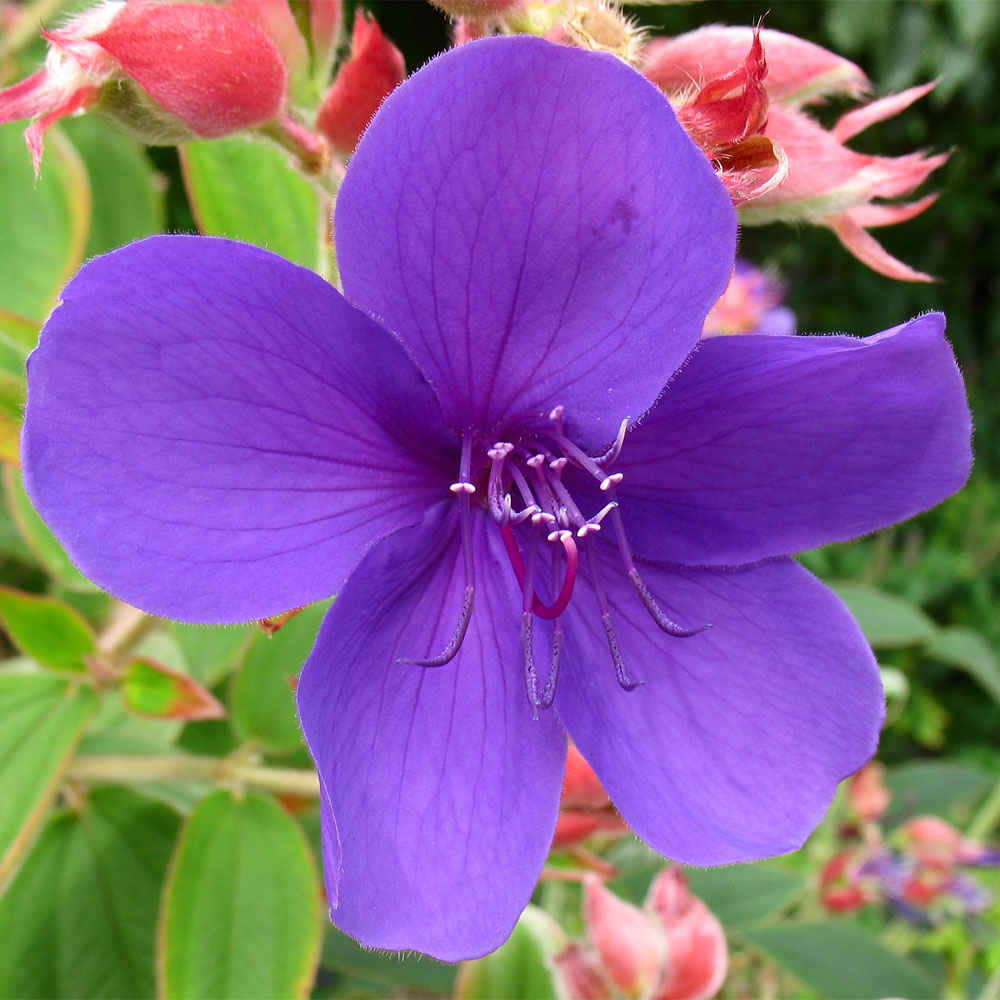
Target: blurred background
(879,902)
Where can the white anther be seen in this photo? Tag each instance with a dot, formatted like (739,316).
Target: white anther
(459,488)
(590,528)
(613,480)
(501,449)
(557,412)
(558,464)
(558,536)
(542,517)
(536,461)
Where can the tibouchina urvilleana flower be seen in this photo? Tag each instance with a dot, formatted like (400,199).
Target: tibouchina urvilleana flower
(531,486)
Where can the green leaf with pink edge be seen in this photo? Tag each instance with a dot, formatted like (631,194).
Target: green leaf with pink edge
(44,222)
(153,690)
(248,191)
(44,717)
(241,912)
(50,632)
(79,919)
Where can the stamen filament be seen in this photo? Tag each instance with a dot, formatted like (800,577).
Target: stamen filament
(621,671)
(454,644)
(611,455)
(548,611)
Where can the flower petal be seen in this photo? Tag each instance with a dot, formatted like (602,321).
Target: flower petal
(733,746)
(768,446)
(534,225)
(216,435)
(444,789)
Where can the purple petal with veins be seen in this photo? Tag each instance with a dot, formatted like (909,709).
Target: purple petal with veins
(530,244)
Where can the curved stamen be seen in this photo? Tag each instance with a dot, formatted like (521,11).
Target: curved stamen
(528,651)
(464,490)
(621,671)
(611,455)
(548,695)
(561,602)
(579,457)
(667,624)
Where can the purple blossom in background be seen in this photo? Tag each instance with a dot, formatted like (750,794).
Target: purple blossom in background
(474,447)
(751,303)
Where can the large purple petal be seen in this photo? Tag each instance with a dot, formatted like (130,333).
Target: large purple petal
(733,746)
(216,435)
(444,790)
(764,446)
(537,229)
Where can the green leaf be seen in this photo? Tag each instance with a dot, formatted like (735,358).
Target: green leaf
(888,621)
(151,689)
(47,630)
(969,651)
(934,786)
(43,720)
(839,960)
(241,911)
(263,699)
(37,536)
(743,894)
(522,967)
(79,920)
(17,337)
(246,190)
(344,955)
(211,651)
(127,193)
(44,222)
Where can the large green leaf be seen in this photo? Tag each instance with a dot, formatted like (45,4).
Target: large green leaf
(888,621)
(43,719)
(343,955)
(246,190)
(743,894)
(263,700)
(210,651)
(79,920)
(37,536)
(241,912)
(838,960)
(127,194)
(934,786)
(521,968)
(969,650)
(43,223)
(47,630)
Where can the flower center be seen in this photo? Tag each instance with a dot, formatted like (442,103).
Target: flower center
(534,510)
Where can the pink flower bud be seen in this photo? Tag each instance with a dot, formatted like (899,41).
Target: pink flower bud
(628,944)
(276,20)
(696,954)
(214,70)
(585,807)
(579,976)
(375,68)
(211,70)
(868,796)
(933,842)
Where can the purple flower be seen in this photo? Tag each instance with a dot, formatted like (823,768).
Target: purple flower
(529,245)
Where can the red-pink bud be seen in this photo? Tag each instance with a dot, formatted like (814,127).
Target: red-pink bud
(585,806)
(215,71)
(628,944)
(933,841)
(276,19)
(579,976)
(375,68)
(324,29)
(868,796)
(696,954)
(799,70)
